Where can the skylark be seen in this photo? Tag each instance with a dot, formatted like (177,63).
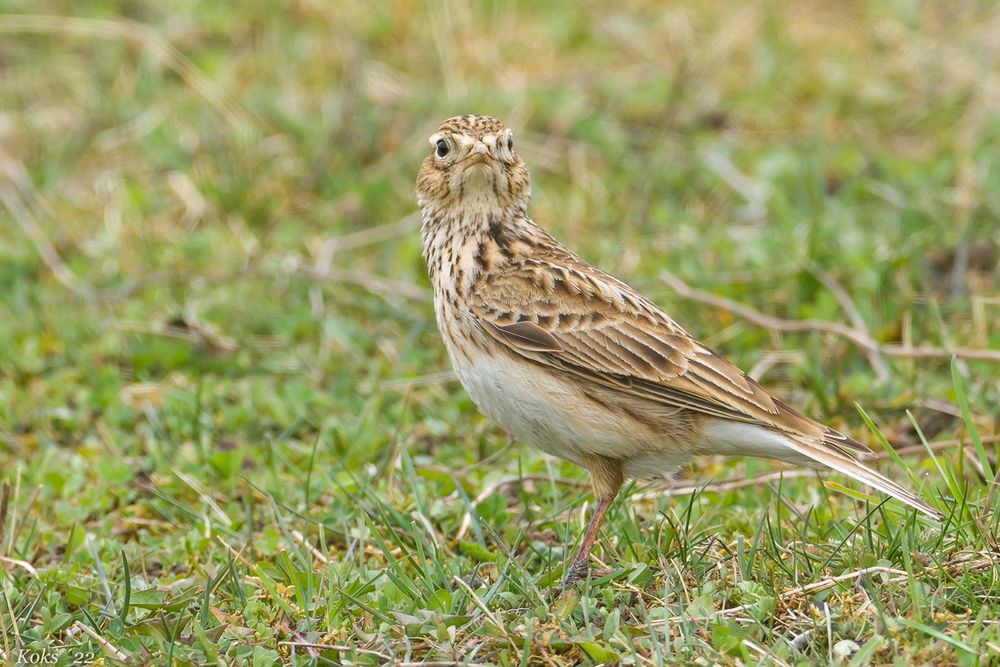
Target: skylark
(574,361)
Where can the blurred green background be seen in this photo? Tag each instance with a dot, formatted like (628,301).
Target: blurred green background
(228,427)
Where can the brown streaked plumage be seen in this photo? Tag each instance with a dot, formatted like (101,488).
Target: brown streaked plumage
(573,360)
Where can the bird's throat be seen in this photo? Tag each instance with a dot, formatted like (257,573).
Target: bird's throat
(461,244)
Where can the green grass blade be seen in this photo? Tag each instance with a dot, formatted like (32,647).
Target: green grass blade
(128,589)
(963,404)
(948,478)
(937,634)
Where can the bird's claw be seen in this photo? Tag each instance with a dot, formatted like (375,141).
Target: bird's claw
(577,571)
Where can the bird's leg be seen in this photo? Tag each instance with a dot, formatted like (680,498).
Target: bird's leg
(606,476)
(581,564)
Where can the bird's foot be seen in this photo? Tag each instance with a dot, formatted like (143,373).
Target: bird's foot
(577,571)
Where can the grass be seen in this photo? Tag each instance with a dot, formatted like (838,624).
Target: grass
(227,429)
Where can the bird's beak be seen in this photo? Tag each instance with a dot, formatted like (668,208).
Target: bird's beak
(480,153)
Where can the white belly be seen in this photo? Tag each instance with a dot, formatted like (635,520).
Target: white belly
(542,410)
(521,400)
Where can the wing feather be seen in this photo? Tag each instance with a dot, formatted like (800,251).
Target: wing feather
(525,336)
(614,336)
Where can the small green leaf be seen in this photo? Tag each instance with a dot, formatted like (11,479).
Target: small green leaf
(477,552)
(728,639)
(611,624)
(598,652)
(641,576)
(265,657)
(566,603)
(441,600)
(73,542)
(703,605)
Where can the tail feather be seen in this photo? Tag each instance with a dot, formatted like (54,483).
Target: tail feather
(834,457)
(843,442)
(826,448)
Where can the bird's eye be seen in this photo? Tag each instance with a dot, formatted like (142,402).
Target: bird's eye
(442,148)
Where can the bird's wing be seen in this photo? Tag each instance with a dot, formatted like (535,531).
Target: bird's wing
(585,322)
(597,327)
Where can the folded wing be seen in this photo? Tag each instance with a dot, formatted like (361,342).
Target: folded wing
(587,323)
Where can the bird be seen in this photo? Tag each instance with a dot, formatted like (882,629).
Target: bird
(570,359)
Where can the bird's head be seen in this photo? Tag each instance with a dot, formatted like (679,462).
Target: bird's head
(472,163)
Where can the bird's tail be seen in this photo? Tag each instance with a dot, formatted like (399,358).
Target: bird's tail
(834,455)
